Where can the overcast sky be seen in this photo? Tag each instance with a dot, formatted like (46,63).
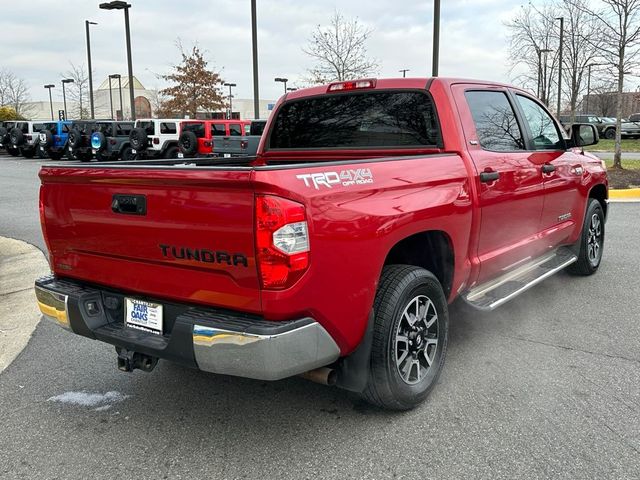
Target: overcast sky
(41,37)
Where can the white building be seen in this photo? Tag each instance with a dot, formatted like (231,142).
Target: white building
(107,104)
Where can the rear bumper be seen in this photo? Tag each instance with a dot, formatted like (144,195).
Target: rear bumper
(212,340)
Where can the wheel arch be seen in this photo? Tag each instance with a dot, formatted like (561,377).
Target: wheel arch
(432,250)
(600,193)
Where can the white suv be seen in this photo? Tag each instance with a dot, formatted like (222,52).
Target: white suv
(24,137)
(152,138)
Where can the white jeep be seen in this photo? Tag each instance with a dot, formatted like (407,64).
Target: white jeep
(153,138)
(24,138)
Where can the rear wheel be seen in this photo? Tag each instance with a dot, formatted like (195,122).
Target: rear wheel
(610,134)
(56,155)
(591,242)
(127,154)
(14,152)
(27,153)
(172,152)
(409,339)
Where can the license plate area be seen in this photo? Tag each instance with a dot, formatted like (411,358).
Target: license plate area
(143,315)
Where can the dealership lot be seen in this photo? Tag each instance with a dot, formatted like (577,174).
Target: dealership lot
(546,386)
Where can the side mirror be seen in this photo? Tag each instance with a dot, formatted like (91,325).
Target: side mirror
(583,134)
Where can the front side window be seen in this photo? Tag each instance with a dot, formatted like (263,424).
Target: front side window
(167,128)
(373,119)
(543,129)
(496,124)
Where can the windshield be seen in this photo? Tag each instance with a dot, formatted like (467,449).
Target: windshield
(357,120)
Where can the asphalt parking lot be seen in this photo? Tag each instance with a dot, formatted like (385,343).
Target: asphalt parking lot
(547,386)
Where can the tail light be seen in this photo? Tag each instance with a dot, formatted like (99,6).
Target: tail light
(282,241)
(29,138)
(156,141)
(355,85)
(207,143)
(244,144)
(113,141)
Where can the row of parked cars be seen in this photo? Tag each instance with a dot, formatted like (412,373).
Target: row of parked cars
(109,140)
(606,126)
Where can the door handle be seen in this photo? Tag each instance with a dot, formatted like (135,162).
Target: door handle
(548,168)
(487,177)
(129,204)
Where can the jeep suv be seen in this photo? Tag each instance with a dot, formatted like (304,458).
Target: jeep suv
(4,138)
(80,138)
(197,137)
(24,138)
(53,139)
(606,126)
(154,138)
(110,141)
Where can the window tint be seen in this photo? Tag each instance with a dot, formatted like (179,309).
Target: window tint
(24,127)
(357,120)
(197,128)
(218,130)
(51,126)
(38,126)
(235,130)
(105,128)
(496,123)
(167,128)
(543,129)
(123,129)
(149,127)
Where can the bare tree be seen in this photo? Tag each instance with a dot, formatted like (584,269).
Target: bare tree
(581,48)
(533,49)
(618,23)
(158,103)
(14,93)
(78,91)
(603,97)
(340,51)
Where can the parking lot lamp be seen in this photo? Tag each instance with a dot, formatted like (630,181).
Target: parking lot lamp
(49,87)
(230,85)
(282,80)
(291,89)
(86,25)
(560,64)
(436,38)
(120,5)
(111,97)
(64,95)
(119,77)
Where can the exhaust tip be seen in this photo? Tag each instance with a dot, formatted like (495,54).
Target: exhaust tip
(324,376)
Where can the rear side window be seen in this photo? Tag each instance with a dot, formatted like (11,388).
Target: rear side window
(197,128)
(38,126)
(218,130)
(105,128)
(235,130)
(123,129)
(148,127)
(357,120)
(52,127)
(65,128)
(167,128)
(24,127)
(257,128)
(495,120)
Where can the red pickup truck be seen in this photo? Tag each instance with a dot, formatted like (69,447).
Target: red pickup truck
(334,252)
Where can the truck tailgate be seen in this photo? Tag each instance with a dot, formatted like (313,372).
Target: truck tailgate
(179,233)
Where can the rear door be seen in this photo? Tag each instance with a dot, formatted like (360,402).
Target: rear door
(508,181)
(561,171)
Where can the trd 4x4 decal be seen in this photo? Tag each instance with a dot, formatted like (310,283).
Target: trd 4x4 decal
(346,178)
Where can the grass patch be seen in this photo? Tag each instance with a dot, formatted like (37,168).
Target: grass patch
(604,145)
(629,164)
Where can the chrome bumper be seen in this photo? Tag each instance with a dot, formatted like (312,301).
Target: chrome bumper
(264,357)
(209,339)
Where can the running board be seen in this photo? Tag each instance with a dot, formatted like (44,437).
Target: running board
(497,292)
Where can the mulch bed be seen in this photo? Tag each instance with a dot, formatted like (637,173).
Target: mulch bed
(623,178)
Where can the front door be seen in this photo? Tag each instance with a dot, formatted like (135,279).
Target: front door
(509,184)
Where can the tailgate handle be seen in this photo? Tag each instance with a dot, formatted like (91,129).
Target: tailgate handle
(129,204)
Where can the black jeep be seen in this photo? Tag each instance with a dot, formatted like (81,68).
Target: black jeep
(110,141)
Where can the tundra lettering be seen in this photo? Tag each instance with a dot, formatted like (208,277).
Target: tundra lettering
(202,255)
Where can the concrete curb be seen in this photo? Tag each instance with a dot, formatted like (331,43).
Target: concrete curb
(20,264)
(627,194)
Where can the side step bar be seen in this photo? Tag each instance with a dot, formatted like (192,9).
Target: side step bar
(491,295)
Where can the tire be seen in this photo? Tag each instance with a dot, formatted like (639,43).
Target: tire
(396,381)
(41,154)
(591,243)
(56,155)
(16,137)
(610,133)
(171,152)
(127,154)
(14,152)
(188,143)
(75,138)
(138,139)
(48,138)
(102,156)
(4,135)
(27,153)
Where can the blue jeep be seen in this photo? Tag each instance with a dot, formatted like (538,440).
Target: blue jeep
(54,138)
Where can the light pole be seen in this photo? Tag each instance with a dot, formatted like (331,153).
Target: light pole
(86,25)
(291,89)
(119,77)
(110,97)
(64,95)
(436,37)
(282,80)
(49,87)
(254,44)
(120,5)
(560,64)
(230,85)
(404,72)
